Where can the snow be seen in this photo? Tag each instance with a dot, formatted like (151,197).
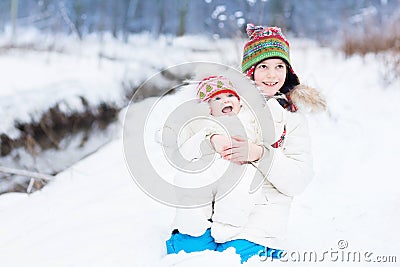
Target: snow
(93,213)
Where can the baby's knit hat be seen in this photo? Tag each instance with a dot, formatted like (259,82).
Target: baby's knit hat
(214,85)
(264,43)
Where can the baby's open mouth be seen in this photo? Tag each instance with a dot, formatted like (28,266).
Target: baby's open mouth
(227,109)
(270,83)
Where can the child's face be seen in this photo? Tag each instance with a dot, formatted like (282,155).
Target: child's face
(270,75)
(224,104)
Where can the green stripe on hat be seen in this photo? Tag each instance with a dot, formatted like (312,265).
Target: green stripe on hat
(262,56)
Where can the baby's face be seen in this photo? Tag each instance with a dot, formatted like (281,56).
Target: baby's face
(224,104)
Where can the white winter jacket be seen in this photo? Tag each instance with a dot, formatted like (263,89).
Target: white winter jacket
(287,176)
(291,171)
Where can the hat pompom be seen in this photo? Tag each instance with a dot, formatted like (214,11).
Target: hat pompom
(253,31)
(258,31)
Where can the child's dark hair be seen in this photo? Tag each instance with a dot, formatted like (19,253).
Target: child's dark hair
(291,80)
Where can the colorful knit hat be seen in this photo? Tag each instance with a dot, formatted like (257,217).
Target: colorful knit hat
(266,43)
(214,85)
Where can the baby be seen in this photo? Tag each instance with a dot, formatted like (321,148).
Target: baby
(230,201)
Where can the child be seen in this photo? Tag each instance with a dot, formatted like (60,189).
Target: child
(266,61)
(192,231)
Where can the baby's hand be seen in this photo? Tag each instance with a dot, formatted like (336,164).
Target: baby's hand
(220,142)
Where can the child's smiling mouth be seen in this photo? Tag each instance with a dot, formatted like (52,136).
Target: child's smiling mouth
(227,109)
(270,84)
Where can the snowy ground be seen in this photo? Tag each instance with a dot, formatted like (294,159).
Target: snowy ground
(93,214)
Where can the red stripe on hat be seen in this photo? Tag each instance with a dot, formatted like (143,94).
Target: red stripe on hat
(222,92)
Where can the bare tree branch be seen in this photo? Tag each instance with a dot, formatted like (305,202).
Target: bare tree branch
(26,173)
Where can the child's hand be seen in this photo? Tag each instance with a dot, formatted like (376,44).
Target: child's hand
(220,142)
(242,151)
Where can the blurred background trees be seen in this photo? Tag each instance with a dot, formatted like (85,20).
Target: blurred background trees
(326,20)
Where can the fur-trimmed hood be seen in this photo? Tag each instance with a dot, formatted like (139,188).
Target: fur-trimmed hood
(308,98)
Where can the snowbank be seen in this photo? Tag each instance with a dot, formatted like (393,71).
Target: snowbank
(77,76)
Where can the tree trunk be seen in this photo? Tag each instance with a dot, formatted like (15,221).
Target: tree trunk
(14,14)
(183,10)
